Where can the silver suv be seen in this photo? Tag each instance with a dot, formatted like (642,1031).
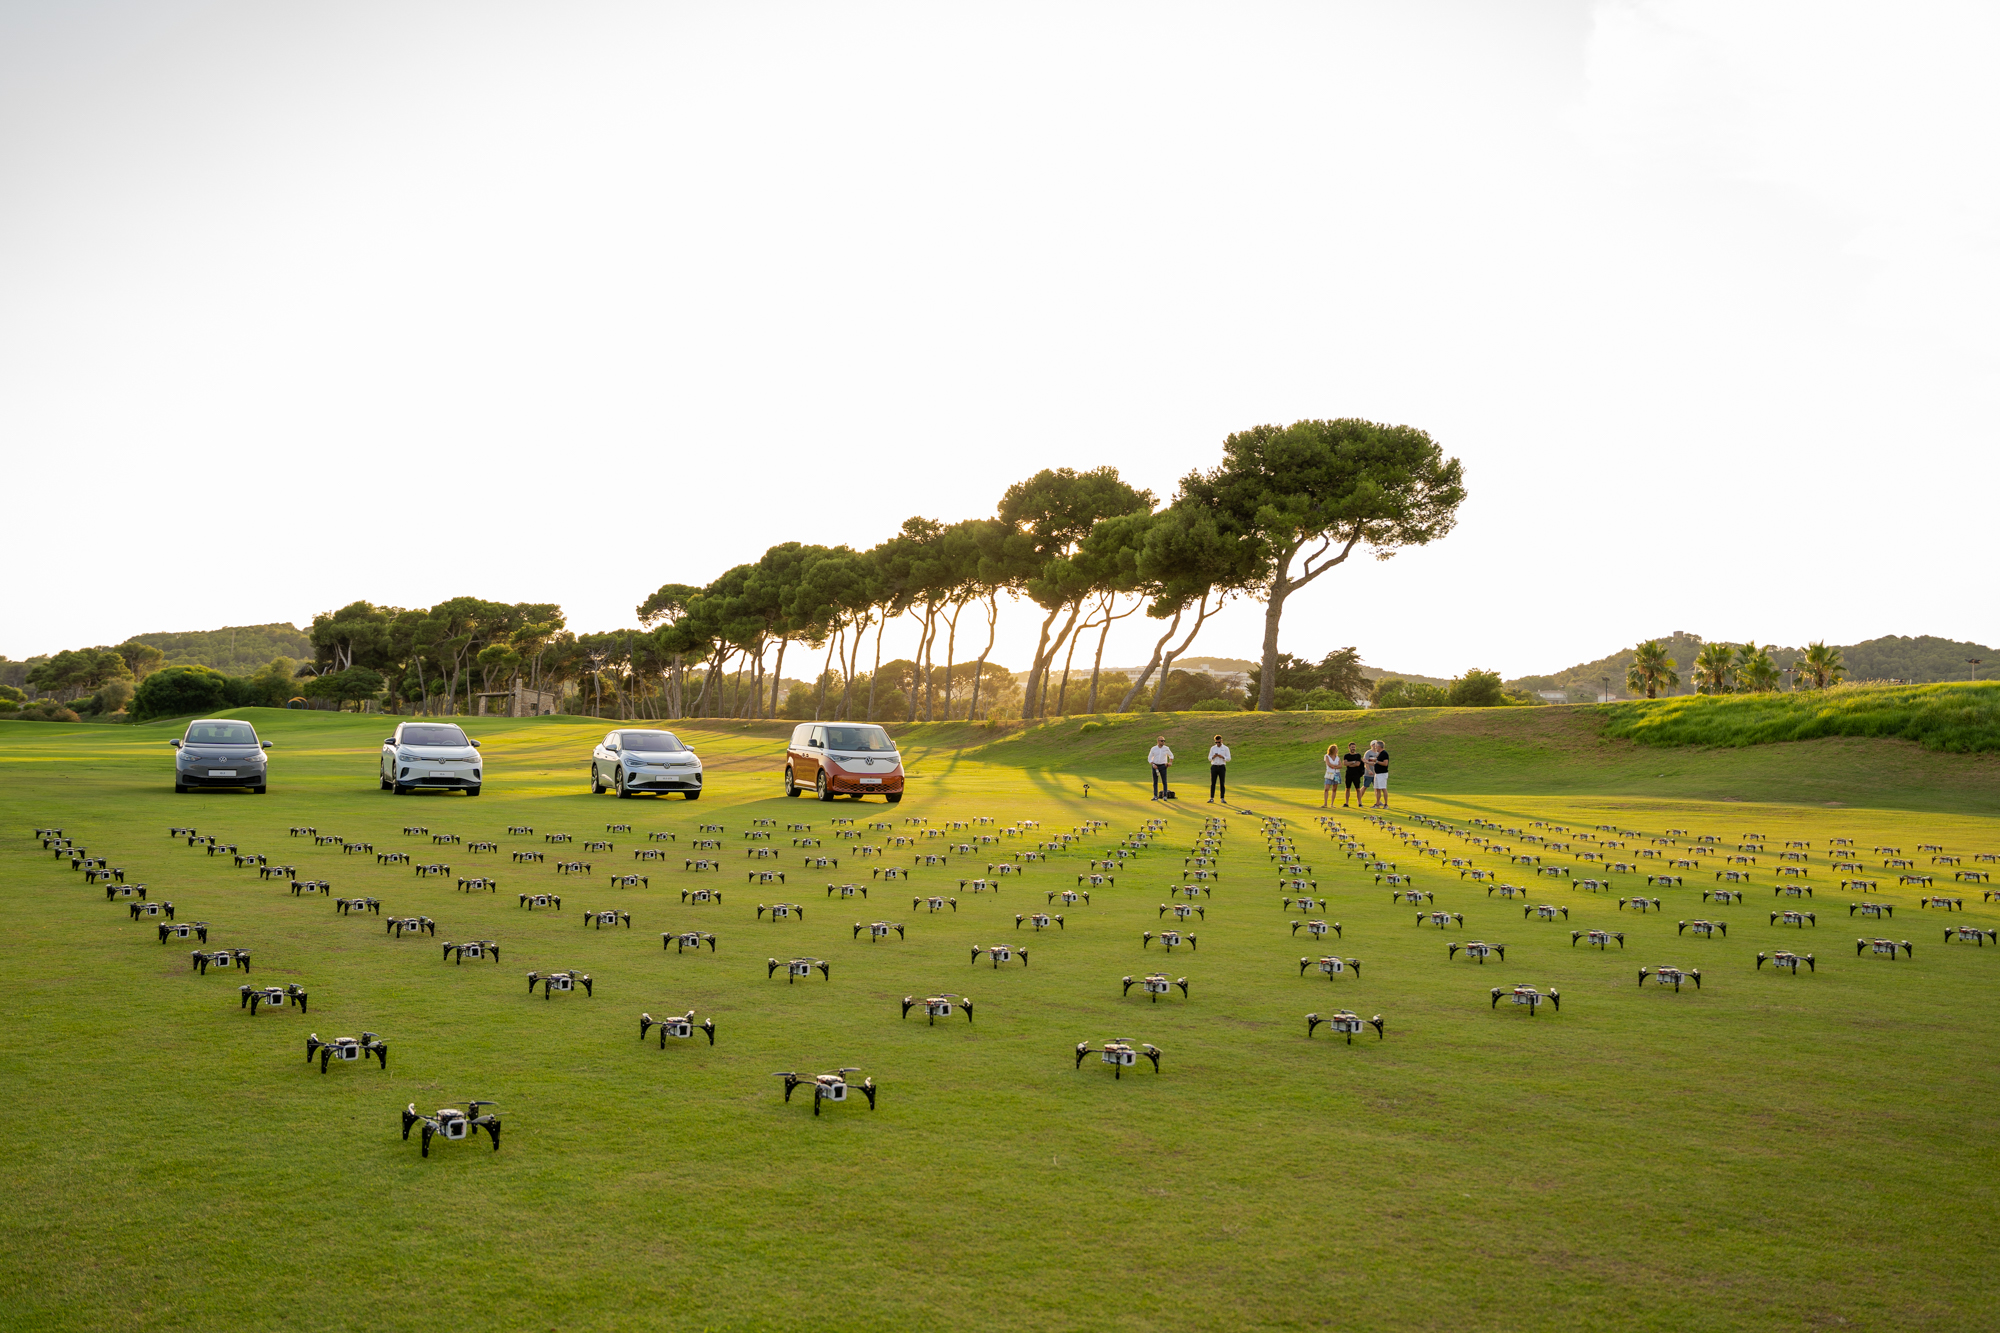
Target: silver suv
(219,752)
(635,761)
(435,755)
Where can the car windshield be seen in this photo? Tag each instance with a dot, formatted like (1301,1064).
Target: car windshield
(652,742)
(221,733)
(433,735)
(859,738)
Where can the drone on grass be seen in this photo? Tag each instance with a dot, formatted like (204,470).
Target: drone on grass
(453,1124)
(277,997)
(828,1087)
(938,1006)
(681,1026)
(1347,1021)
(1121,1054)
(348,1049)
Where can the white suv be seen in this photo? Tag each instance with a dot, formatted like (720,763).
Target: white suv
(430,754)
(636,762)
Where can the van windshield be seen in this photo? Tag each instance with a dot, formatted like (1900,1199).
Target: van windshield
(433,735)
(221,733)
(865,739)
(651,742)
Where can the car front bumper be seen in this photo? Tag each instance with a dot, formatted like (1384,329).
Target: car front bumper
(874,785)
(205,776)
(662,779)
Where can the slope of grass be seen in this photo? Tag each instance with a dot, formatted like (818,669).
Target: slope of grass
(1962,717)
(1772,1151)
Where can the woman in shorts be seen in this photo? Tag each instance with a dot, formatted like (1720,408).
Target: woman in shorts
(1332,783)
(1378,767)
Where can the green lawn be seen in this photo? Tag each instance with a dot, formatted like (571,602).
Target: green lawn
(1772,1151)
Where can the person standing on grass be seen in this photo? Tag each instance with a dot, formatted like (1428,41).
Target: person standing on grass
(1378,767)
(1160,757)
(1218,771)
(1354,766)
(1332,782)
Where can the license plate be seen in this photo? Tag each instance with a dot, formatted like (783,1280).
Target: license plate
(865,780)
(222,772)
(442,773)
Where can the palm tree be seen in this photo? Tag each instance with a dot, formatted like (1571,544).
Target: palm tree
(1651,669)
(1714,668)
(1755,671)
(1822,665)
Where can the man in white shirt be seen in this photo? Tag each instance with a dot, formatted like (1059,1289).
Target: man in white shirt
(1218,772)
(1160,757)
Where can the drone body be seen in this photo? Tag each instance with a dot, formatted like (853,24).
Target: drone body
(551,982)
(1529,997)
(1673,976)
(474,949)
(347,1049)
(277,997)
(829,1087)
(145,909)
(1345,1021)
(798,967)
(1800,919)
(1705,929)
(1970,935)
(681,1027)
(412,925)
(221,959)
(1000,953)
(533,900)
(938,1006)
(612,918)
(1546,911)
(1441,919)
(1787,961)
(1600,938)
(1332,966)
(1120,1054)
(687,939)
(1154,985)
(1478,950)
(452,1124)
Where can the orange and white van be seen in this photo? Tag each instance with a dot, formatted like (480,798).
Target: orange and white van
(832,759)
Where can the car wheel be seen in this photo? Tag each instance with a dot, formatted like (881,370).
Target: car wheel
(399,789)
(596,787)
(791,787)
(692,795)
(258,790)
(895,798)
(623,793)
(180,787)
(820,788)
(472,791)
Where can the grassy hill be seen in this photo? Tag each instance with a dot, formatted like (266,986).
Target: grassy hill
(234,650)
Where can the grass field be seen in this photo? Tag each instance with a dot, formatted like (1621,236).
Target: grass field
(1772,1151)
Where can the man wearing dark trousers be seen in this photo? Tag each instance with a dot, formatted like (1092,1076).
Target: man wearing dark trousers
(1218,772)
(1160,758)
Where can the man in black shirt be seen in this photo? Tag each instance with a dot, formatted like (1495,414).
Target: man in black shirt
(1353,766)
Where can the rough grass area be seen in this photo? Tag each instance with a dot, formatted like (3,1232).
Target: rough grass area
(1961,717)
(1767,1151)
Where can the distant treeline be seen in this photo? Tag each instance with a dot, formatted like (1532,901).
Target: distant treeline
(1921,660)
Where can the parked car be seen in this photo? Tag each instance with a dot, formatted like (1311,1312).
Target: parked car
(833,759)
(638,762)
(219,752)
(435,755)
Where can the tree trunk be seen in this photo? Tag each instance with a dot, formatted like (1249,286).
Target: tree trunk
(1152,663)
(1062,694)
(979,675)
(950,652)
(1274,610)
(1167,666)
(1028,701)
(1075,610)
(852,650)
(876,673)
(930,668)
(826,669)
(1097,665)
(778,676)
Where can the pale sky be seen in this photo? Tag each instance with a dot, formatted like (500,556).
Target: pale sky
(310,302)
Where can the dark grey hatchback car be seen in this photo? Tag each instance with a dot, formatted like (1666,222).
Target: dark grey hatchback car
(219,752)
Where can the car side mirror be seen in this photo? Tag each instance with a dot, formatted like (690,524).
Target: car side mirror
(388,740)
(475,745)
(175,743)
(267,745)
